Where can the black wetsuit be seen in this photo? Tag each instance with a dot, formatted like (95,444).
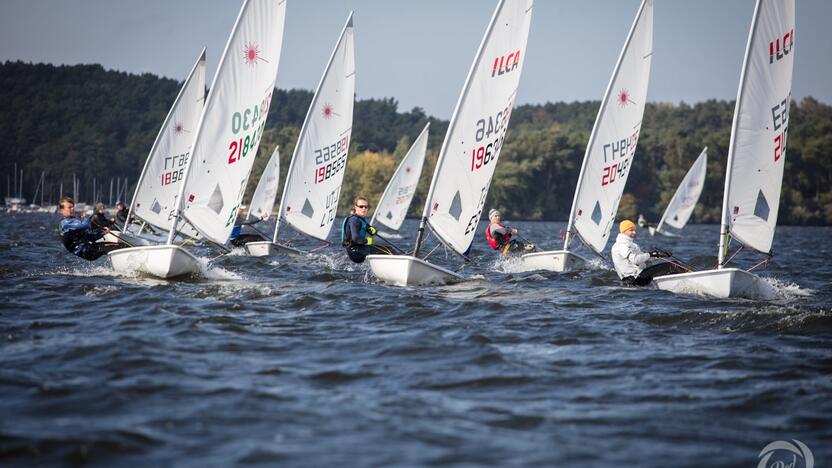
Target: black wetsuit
(79,237)
(646,275)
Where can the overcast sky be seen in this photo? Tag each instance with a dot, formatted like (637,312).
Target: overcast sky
(419,51)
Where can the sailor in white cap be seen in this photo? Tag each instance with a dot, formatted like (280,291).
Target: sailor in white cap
(500,237)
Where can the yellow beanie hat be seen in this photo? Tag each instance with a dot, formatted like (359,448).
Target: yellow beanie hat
(626,225)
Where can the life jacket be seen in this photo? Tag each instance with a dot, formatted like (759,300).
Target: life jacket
(346,238)
(72,239)
(494,243)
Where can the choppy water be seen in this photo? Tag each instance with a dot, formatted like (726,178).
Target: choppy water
(302,362)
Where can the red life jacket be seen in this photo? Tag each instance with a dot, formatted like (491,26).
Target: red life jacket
(492,241)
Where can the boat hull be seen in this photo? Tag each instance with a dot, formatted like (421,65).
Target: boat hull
(405,270)
(552,260)
(721,283)
(161,261)
(266,248)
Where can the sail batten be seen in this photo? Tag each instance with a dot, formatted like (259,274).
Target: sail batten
(612,143)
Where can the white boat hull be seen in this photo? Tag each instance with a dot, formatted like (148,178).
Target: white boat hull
(267,248)
(552,260)
(723,283)
(405,270)
(161,261)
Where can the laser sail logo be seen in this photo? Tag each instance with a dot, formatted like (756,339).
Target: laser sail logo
(783,454)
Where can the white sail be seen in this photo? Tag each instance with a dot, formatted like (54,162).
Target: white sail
(265,193)
(478,126)
(757,150)
(155,198)
(313,184)
(612,144)
(232,122)
(687,194)
(395,201)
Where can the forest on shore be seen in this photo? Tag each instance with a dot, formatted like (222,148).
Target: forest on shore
(100,124)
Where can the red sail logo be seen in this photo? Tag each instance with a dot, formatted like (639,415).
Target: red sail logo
(505,64)
(780,47)
(251,54)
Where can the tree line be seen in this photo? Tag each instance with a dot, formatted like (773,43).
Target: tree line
(100,124)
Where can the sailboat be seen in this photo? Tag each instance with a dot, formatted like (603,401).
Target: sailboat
(469,153)
(756,156)
(265,194)
(609,153)
(316,171)
(225,142)
(395,201)
(681,206)
(154,200)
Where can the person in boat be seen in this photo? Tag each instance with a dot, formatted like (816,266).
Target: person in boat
(79,235)
(631,263)
(99,219)
(357,234)
(238,239)
(121,215)
(499,236)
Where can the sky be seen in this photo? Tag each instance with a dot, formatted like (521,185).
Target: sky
(419,51)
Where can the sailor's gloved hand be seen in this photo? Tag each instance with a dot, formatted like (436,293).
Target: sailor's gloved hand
(660,254)
(371,230)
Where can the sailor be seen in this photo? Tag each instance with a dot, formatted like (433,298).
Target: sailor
(499,237)
(99,219)
(642,221)
(238,239)
(79,236)
(631,263)
(121,215)
(357,234)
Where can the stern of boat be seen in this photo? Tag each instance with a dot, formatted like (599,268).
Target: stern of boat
(406,270)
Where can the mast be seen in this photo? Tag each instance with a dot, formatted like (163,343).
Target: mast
(312,105)
(723,229)
(443,150)
(594,134)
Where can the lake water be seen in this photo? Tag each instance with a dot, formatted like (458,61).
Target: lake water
(309,362)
